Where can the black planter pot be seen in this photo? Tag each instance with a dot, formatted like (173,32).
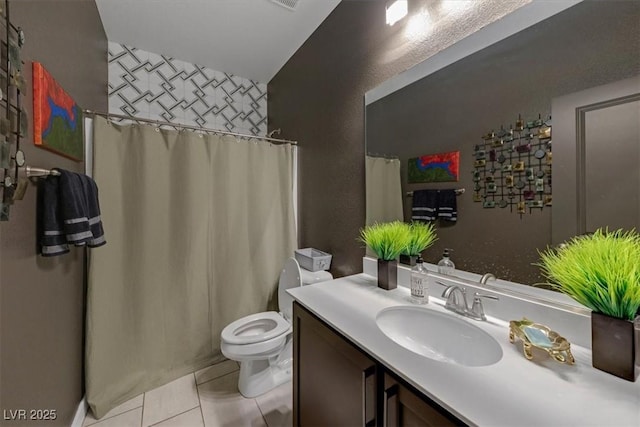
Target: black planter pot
(387,274)
(615,346)
(408,259)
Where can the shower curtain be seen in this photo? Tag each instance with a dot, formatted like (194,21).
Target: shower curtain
(197,227)
(383,190)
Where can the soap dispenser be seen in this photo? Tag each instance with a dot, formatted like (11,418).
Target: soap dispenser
(445,265)
(419,290)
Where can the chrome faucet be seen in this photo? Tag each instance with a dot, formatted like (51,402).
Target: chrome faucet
(486,277)
(456,298)
(456,301)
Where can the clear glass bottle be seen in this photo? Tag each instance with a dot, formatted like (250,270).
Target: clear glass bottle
(445,265)
(419,290)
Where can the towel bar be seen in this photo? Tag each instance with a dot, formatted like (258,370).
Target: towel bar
(458,191)
(32,172)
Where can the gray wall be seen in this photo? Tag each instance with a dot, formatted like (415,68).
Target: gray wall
(588,45)
(317,99)
(42,299)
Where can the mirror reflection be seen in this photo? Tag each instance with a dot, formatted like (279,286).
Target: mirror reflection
(586,46)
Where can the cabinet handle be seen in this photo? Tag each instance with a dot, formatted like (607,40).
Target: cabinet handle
(391,406)
(368,397)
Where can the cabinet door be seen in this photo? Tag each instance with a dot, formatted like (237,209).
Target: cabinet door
(403,407)
(334,383)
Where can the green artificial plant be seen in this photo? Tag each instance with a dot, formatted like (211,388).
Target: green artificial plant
(600,270)
(387,239)
(421,236)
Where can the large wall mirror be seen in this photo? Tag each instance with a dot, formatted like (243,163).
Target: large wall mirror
(587,45)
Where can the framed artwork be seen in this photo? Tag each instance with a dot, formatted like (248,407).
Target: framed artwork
(443,167)
(57,119)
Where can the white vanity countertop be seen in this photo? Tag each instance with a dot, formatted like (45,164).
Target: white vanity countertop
(512,392)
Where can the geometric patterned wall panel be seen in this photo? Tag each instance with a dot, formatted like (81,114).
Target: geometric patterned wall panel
(158,87)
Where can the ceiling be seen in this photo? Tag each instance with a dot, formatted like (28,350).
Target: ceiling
(248,38)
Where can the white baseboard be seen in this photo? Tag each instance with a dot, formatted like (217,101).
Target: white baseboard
(81,412)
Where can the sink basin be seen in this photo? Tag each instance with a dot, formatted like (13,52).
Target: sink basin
(439,336)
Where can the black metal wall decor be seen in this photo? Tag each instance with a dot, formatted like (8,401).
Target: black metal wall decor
(512,167)
(13,117)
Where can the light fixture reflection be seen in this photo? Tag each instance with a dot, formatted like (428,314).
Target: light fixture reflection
(455,7)
(396,10)
(419,25)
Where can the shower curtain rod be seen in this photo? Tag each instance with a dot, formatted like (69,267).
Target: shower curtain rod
(178,125)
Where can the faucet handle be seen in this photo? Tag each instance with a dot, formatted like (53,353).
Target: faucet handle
(477,310)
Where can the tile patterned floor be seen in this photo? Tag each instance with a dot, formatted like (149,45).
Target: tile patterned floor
(207,398)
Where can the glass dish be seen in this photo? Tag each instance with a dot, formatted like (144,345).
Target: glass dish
(536,335)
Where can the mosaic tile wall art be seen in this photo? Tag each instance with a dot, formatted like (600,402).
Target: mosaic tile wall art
(512,168)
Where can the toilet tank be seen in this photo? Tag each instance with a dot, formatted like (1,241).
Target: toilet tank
(311,277)
(293,276)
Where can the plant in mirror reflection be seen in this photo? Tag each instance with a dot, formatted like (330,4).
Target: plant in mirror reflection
(387,239)
(421,236)
(600,270)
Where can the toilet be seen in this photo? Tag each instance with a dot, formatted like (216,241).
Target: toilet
(262,342)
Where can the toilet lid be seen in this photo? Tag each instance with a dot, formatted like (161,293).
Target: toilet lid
(290,277)
(255,328)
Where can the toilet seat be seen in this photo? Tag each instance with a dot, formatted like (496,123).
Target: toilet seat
(258,350)
(255,328)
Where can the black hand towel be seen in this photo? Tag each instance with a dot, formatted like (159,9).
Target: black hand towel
(69,212)
(50,225)
(447,205)
(425,205)
(75,209)
(93,212)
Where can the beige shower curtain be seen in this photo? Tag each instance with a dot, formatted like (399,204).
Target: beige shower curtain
(383,190)
(197,228)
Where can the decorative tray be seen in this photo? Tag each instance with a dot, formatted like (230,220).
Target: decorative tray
(536,335)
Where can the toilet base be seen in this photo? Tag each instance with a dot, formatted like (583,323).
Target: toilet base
(260,376)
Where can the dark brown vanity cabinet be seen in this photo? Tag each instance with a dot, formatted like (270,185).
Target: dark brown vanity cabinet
(337,384)
(403,407)
(334,383)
